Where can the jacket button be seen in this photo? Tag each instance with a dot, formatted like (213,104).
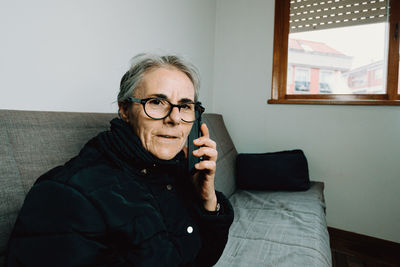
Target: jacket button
(144,171)
(189,229)
(169,187)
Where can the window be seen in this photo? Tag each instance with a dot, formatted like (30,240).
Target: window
(336,52)
(302,80)
(325,82)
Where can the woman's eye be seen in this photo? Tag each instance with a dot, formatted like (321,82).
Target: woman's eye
(187,106)
(155,102)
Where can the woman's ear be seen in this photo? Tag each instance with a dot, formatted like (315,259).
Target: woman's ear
(123,111)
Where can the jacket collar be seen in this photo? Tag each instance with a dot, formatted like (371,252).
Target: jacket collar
(124,147)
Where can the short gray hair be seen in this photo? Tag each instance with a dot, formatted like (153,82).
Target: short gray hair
(142,63)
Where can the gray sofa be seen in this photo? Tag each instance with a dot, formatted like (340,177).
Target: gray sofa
(269,229)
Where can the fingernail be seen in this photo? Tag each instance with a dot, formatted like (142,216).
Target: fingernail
(196,165)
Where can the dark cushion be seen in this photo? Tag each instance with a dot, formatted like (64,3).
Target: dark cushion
(285,170)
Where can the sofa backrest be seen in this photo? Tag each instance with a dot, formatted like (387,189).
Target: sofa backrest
(225,180)
(33,142)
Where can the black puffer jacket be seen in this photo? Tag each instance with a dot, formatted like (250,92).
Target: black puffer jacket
(117,205)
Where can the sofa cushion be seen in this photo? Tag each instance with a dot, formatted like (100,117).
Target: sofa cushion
(285,170)
(276,228)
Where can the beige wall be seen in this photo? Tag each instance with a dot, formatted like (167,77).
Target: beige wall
(355,150)
(71,55)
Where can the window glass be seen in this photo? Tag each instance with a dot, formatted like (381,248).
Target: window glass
(289,76)
(343,43)
(325,81)
(355,60)
(301,80)
(378,74)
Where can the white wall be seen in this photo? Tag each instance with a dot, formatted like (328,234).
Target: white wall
(71,55)
(355,150)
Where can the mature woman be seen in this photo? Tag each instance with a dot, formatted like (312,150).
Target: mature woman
(127,199)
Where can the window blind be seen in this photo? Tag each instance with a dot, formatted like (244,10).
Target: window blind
(308,15)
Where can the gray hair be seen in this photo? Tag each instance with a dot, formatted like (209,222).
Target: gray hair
(142,63)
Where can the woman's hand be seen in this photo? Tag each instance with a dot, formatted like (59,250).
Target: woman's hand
(203,179)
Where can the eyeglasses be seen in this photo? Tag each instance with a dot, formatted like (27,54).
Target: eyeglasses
(160,108)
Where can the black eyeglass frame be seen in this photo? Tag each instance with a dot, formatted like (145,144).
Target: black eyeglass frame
(199,109)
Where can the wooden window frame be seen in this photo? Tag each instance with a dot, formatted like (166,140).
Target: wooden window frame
(280,57)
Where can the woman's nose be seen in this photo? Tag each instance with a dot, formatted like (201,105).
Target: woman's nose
(175,115)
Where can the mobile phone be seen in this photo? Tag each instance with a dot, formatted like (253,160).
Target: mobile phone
(194,134)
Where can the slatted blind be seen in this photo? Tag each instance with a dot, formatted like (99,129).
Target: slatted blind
(308,15)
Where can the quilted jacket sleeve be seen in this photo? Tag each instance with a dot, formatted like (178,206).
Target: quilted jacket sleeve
(214,231)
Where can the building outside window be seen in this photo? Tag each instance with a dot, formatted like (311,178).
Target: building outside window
(325,82)
(302,80)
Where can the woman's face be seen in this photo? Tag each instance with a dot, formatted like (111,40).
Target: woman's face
(162,138)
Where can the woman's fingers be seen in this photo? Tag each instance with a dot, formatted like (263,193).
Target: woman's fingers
(204,130)
(205,141)
(206,152)
(208,148)
(208,165)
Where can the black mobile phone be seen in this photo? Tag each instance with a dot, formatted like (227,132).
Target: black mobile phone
(194,134)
